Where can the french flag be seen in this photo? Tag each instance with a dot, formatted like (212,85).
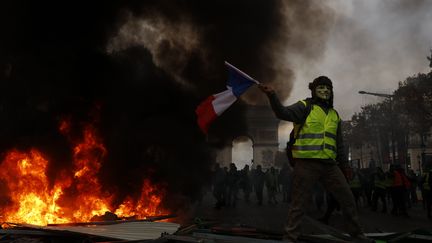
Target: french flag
(215,105)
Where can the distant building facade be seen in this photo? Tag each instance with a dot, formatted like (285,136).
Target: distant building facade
(418,154)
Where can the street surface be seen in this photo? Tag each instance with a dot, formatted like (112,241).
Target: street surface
(271,217)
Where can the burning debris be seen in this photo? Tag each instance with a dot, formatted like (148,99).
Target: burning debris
(75,195)
(95,118)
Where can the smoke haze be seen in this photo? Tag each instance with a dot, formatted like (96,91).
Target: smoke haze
(372,45)
(147,64)
(137,70)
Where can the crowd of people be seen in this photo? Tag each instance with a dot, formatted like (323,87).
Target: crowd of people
(316,151)
(376,189)
(229,183)
(392,191)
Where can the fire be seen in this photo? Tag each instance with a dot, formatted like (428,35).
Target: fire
(27,195)
(147,204)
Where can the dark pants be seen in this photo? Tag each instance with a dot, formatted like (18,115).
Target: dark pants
(356,191)
(219,194)
(232,195)
(259,193)
(413,194)
(398,198)
(379,193)
(306,174)
(428,200)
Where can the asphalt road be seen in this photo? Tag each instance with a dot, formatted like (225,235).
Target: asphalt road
(272,217)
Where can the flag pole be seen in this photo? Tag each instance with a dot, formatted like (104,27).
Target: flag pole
(242,73)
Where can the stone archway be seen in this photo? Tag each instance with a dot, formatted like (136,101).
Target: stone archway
(262,129)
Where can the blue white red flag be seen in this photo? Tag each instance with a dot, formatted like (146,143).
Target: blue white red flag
(215,105)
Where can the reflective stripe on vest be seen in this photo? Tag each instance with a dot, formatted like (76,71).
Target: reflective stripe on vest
(380,183)
(317,137)
(388,182)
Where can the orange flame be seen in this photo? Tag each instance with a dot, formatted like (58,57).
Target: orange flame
(28,197)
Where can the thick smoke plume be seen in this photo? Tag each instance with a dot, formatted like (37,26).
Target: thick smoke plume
(142,67)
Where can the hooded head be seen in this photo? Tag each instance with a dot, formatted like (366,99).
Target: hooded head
(322,90)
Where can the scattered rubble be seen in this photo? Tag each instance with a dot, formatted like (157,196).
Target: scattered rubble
(199,231)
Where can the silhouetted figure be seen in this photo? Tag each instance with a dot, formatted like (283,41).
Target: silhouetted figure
(389,185)
(427,185)
(379,191)
(232,180)
(271,183)
(366,179)
(258,182)
(285,181)
(355,185)
(245,182)
(219,178)
(225,191)
(407,187)
(412,177)
(398,191)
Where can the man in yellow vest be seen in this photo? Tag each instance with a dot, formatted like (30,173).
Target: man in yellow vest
(317,152)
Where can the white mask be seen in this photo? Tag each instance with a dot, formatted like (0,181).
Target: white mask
(323,91)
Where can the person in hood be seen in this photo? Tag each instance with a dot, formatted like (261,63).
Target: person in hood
(317,150)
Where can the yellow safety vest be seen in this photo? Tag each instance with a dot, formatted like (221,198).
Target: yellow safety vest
(317,137)
(380,183)
(388,182)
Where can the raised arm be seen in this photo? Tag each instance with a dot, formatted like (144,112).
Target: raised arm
(294,113)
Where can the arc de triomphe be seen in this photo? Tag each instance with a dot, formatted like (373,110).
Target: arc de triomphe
(263,131)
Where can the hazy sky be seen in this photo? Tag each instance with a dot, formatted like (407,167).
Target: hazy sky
(372,46)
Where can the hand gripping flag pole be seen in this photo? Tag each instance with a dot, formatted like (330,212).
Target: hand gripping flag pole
(212,107)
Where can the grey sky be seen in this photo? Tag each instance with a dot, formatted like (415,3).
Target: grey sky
(372,46)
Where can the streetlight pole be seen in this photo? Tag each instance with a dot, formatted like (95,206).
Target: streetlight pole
(390,97)
(376,94)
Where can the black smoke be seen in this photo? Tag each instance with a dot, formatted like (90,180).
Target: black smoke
(55,63)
